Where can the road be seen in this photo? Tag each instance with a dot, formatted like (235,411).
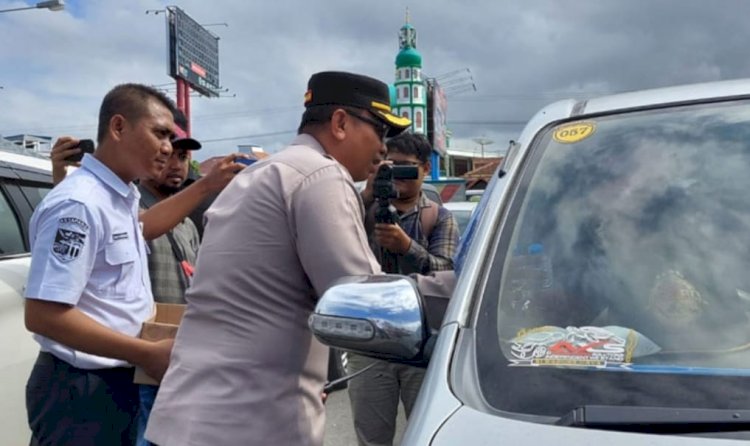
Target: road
(339,427)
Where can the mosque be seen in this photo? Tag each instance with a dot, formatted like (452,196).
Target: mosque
(421,99)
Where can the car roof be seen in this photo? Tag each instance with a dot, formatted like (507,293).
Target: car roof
(737,88)
(651,98)
(668,95)
(33,162)
(460,205)
(14,165)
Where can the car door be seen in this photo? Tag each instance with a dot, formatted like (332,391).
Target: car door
(21,190)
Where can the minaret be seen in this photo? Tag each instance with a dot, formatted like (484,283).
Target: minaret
(411,94)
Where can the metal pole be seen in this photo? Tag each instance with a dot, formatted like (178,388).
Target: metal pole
(186,102)
(18,9)
(180,96)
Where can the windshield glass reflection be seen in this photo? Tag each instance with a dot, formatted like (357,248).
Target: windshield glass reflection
(627,250)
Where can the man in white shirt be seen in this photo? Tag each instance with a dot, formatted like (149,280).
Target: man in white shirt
(88,289)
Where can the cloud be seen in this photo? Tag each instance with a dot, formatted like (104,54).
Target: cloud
(522,55)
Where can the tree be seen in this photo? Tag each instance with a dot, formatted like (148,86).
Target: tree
(195,166)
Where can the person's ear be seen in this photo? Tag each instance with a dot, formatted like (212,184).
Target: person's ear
(339,124)
(117,127)
(426,167)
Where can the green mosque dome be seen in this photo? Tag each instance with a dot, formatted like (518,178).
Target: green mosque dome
(409,57)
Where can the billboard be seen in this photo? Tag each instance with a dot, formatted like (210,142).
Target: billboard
(193,52)
(436,113)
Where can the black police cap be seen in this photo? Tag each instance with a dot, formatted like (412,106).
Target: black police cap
(354,90)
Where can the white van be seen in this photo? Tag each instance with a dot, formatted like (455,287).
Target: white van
(602,292)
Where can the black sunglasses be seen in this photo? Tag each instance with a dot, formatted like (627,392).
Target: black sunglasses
(381,129)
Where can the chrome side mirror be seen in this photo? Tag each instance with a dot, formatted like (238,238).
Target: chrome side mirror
(379,316)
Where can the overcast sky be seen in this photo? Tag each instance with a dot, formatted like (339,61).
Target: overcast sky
(521,55)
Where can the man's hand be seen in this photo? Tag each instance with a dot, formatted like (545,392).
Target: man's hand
(156,361)
(392,238)
(166,214)
(222,173)
(64,147)
(69,326)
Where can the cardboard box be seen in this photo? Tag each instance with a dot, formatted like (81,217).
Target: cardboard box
(162,325)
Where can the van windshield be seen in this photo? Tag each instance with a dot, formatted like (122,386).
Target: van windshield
(621,274)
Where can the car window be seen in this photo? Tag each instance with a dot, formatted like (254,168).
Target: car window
(11,239)
(620,274)
(35,193)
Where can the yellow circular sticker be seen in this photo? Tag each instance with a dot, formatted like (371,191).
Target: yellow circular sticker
(570,133)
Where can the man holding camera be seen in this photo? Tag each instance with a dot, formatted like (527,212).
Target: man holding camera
(408,234)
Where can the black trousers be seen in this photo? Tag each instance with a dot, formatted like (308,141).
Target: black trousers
(66,405)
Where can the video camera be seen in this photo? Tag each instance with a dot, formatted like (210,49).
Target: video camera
(384,189)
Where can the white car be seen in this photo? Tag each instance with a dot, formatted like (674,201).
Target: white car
(602,295)
(24,181)
(462,211)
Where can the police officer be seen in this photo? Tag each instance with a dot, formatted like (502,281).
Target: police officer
(88,289)
(246,368)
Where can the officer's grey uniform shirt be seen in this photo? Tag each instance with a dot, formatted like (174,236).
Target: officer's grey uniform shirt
(87,250)
(246,369)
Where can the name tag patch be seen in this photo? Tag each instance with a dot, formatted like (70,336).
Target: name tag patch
(69,239)
(120,236)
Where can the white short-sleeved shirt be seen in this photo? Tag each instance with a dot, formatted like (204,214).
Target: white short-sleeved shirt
(87,250)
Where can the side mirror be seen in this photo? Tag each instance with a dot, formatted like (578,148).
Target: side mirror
(379,316)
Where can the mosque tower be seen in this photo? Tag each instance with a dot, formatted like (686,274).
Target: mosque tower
(411,92)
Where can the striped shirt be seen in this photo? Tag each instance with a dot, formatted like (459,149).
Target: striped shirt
(168,281)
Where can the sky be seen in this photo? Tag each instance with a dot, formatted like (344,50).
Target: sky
(519,55)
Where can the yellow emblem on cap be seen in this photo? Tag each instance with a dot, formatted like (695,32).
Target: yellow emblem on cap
(381,106)
(572,133)
(308,96)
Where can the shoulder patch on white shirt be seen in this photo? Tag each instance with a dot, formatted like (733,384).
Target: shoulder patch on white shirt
(69,239)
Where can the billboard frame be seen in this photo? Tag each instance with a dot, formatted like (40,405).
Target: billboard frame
(193,53)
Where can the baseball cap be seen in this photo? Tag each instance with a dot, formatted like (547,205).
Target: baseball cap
(183,141)
(354,90)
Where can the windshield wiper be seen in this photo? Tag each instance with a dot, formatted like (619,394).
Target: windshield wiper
(657,419)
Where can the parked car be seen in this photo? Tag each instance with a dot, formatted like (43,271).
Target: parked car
(602,294)
(474,194)
(24,181)
(462,211)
